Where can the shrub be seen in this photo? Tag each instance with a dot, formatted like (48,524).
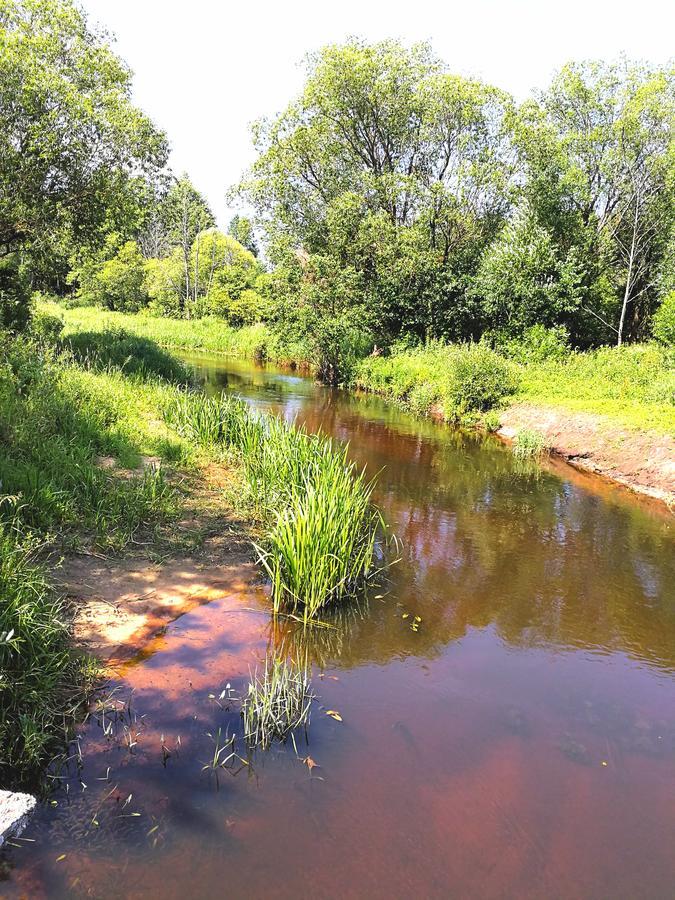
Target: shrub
(663,322)
(537,344)
(119,282)
(478,379)
(14,294)
(45,327)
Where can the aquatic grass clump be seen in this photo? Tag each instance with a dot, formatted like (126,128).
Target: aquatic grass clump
(321,547)
(278,702)
(320,526)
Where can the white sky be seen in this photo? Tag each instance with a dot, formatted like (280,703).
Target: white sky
(205,69)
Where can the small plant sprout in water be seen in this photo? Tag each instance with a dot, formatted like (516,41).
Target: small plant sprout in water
(278,702)
(224,755)
(529,444)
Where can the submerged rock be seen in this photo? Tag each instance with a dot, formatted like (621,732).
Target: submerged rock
(15,811)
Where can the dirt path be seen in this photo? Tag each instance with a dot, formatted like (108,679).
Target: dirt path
(119,603)
(642,460)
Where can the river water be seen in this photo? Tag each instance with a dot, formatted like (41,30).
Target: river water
(519,743)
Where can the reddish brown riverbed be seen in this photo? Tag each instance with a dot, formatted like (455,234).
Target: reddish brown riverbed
(520,744)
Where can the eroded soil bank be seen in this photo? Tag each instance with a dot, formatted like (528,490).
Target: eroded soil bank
(641,460)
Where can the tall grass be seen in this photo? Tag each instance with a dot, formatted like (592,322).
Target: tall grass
(634,385)
(320,525)
(39,675)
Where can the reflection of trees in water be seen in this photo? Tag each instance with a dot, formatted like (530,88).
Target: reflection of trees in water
(488,540)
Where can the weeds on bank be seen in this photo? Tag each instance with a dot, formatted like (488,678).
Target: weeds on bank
(529,444)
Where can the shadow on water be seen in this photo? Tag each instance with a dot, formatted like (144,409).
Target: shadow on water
(505,701)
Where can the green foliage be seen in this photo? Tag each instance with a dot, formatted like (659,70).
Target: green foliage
(477,380)
(457,379)
(321,528)
(241,229)
(38,672)
(536,344)
(45,327)
(14,294)
(74,151)
(663,322)
(117,283)
(529,443)
(523,281)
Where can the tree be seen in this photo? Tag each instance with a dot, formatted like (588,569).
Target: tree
(523,280)
(241,229)
(74,151)
(598,158)
(186,215)
(396,170)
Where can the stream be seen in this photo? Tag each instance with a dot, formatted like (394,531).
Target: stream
(519,742)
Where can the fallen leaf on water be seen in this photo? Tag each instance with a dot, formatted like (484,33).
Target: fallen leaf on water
(405,615)
(333,678)
(334,714)
(59,858)
(309,762)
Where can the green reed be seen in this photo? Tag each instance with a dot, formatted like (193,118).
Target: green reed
(320,525)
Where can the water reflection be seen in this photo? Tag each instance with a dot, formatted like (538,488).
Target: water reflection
(519,742)
(488,540)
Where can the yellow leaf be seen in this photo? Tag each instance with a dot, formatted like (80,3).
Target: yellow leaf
(59,858)
(405,615)
(334,714)
(309,762)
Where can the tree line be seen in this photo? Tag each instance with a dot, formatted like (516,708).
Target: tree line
(394,200)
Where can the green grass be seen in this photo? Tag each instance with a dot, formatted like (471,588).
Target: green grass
(57,418)
(320,528)
(208,334)
(633,385)
(40,678)
(529,443)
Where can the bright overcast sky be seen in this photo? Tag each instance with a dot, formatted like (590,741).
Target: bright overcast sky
(205,69)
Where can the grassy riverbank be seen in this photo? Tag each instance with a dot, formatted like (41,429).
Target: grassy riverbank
(633,385)
(210,335)
(104,440)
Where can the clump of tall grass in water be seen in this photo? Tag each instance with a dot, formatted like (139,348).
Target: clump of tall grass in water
(278,702)
(321,547)
(321,527)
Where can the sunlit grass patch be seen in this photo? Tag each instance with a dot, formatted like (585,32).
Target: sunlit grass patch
(529,443)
